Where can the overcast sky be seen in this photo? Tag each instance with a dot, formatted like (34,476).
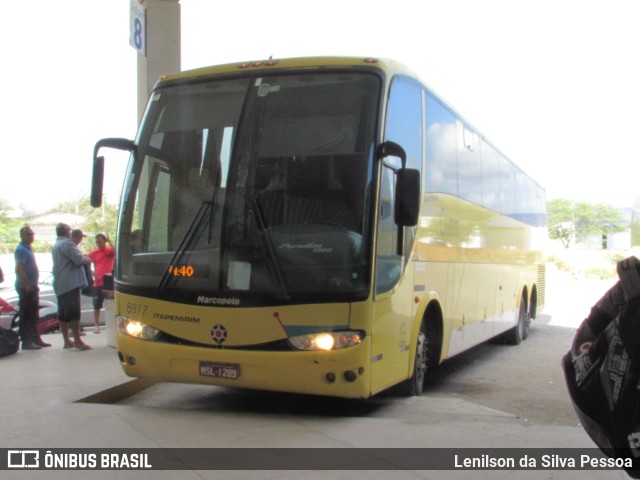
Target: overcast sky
(554,84)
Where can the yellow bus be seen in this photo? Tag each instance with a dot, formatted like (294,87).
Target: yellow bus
(323,226)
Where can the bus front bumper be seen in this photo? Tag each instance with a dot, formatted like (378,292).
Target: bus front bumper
(340,373)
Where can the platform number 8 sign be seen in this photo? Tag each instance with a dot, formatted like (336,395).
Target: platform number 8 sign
(137,24)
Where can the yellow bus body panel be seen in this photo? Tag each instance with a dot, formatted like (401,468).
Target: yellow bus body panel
(312,372)
(244,326)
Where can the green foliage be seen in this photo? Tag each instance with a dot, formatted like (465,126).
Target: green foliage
(8,228)
(598,264)
(569,219)
(104,219)
(635,228)
(562,232)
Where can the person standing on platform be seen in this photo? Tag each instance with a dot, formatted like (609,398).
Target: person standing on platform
(27,275)
(103,258)
(68,279)
(77,236)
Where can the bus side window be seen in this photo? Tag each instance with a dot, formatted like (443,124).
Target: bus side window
(389,261)
(403,126)
(159,211)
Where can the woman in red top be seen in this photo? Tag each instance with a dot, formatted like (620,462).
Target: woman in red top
(103,258)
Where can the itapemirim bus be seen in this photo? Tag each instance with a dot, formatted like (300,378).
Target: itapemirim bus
(318,225)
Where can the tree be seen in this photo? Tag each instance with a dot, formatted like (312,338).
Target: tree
(561,220)
(103,219)
(569,219)
(8,228)
(635,225)
(563,232)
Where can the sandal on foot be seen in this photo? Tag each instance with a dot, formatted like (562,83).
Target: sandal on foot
(68,345)
(82,347)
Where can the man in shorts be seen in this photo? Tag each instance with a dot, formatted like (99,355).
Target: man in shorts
(68,279)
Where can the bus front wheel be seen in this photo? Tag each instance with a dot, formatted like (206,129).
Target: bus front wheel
(414,385)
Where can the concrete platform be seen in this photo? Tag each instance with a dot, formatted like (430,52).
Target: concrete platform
(57,398)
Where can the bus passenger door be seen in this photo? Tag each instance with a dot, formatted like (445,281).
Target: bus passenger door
(394,307)
(392,310)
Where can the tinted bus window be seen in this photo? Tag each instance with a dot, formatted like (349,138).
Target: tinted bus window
(490,177)
(469,173)
(441,170)
(404,119)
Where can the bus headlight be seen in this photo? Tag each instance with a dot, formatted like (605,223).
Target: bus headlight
(136,329)
(326,340)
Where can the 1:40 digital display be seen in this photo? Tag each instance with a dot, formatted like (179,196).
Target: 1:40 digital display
(181,270)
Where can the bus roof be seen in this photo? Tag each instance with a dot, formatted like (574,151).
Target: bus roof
(390,67)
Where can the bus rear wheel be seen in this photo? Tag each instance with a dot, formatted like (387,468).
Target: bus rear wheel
(521,331)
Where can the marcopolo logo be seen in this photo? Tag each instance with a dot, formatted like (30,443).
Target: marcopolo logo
(222,301)
(23,459)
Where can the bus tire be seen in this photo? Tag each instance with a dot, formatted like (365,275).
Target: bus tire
(521,331)
(414,385)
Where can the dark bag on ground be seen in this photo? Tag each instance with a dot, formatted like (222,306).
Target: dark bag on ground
(88,290)
(603,366)
(9,342)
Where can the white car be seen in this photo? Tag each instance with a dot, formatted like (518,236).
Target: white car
(48,304)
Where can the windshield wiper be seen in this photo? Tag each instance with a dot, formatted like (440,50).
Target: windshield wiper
(267,247)
(186,241)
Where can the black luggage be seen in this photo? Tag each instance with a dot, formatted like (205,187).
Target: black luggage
(603,366)
(88,291)
(9,342)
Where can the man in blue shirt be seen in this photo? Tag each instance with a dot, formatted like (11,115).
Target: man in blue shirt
(68,280)
(27,286)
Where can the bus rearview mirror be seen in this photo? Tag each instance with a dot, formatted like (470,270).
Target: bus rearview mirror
(97,179)
(407,207)
(392,149)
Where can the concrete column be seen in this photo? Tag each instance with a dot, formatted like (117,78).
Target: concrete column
(163,46)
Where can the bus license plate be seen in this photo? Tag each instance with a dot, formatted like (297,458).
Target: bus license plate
(220,370)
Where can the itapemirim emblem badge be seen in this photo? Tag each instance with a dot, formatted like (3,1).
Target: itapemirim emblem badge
(219,334)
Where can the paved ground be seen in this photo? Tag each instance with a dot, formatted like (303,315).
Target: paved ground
(494,396)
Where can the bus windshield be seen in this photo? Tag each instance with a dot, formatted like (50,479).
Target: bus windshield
(256,189)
